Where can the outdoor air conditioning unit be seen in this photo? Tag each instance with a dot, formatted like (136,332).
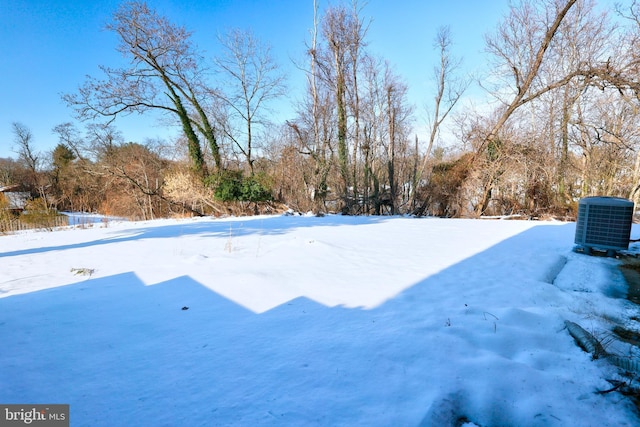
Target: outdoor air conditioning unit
(604,223)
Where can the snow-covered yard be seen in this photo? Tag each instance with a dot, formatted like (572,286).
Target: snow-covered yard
(295,321)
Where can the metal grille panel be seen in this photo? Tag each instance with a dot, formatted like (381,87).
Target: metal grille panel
(604,223)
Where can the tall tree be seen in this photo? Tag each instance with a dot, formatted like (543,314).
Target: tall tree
(449,89)
(397,116)
(520,46)
(449,86)
(23,138)
(166,73)
(336,31)
(31,160)
(250,79)
(69,136)
(356,57)
(313,129)
(522,41)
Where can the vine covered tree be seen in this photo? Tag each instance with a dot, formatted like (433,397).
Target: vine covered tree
(166,73)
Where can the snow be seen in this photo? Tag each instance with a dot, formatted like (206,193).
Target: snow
(298,320)
(85,219)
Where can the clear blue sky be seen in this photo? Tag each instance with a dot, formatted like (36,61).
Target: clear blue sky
(49,46)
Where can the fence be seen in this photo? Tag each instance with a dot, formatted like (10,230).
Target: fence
(9,225)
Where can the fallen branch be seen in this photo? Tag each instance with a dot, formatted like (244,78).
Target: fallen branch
(591,345)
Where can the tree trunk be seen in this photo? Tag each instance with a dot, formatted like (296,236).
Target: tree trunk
(391,152)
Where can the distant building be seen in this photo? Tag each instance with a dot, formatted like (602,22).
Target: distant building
(17,199)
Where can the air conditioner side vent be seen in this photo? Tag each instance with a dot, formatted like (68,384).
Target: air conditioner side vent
(604,223)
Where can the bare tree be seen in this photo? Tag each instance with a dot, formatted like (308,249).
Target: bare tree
(356,57)
(336,31)
(385,118)
(621,70)
(344,32)
(312,131)
(522,42)
(69,135)
(76,186)
(32,160)
(397,114)
(11,171)
(102,139)
(166,74)
(133,177)
(250,79)
(449,89)
(374,128)
(520,46)
(23,139)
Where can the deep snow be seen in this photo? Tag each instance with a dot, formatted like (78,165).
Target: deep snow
(334,321)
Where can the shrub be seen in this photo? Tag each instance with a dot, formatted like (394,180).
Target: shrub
(443,194)
(5,214)
(232,185)
(37,213)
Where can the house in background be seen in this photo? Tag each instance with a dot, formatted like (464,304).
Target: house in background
(16,198)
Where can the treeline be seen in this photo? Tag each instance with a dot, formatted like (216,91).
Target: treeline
(564,124)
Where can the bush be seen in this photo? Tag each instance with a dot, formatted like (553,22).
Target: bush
(5,214)
(443,195)
(37,213)
(233,186)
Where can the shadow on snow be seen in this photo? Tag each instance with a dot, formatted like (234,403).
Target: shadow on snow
(119,351)
(266,226)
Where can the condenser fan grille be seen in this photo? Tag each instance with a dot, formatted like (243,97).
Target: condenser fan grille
(604,223)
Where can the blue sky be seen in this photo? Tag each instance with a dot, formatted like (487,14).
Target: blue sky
(49,46)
